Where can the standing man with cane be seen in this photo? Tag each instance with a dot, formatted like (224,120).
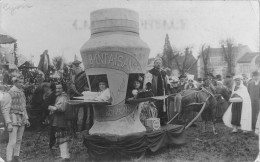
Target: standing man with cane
(157,81)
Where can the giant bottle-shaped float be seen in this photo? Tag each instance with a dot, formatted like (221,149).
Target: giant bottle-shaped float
(116,50)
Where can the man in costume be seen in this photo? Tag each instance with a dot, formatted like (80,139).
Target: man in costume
(16,118)
(5,101)
(59,123)
(157,81)
(254,92)
(239,113)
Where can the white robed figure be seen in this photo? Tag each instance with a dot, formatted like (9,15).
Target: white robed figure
(240,90)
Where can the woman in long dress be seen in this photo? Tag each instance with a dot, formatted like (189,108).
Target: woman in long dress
(239,114)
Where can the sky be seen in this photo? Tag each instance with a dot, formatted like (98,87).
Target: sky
(62,26)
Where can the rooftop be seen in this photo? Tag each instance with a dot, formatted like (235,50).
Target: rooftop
(247,58)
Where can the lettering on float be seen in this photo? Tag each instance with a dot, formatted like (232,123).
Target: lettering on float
(113,60)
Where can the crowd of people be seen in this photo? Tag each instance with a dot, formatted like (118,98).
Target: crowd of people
(242,112)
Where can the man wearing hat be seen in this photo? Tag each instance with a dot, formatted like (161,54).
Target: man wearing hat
(254,92)
(200,82)
(228,82)
(76,69)
(174,88)
(245,79)
(157,81)
(208,84)
(73,92)
(182,82)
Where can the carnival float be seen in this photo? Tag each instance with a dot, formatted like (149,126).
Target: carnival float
(116,52)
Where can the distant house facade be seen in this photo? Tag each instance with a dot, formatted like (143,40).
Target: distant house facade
(217,63)
(248,63)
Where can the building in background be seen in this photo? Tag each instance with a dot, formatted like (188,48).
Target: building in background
(248,63)
(217,63)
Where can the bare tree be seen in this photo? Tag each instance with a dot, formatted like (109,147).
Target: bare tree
(176,54)
(185,64)
(204,54)
(229,56)
(58,62)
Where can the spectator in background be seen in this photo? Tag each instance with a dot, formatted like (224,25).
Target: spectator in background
(182,81)
(219,78)
(200,83)
(174,88)
(254,92)
(190,84)
(75,68)
(228,82)
(208,84)
(245,79)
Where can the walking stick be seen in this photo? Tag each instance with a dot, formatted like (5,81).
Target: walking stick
(164,105)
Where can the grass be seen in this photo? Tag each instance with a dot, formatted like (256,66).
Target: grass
(200,147)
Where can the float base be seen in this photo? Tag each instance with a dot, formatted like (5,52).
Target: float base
(107,147)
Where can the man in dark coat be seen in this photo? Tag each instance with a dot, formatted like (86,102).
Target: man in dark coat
(254,92)
(157,81)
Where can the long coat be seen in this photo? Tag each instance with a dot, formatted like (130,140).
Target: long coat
(254,92)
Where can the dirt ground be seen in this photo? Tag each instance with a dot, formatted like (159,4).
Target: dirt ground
(224,147)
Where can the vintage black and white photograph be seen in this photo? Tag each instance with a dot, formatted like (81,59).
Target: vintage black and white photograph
(129,80)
